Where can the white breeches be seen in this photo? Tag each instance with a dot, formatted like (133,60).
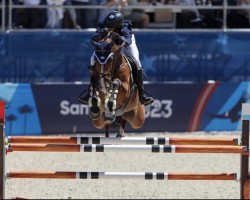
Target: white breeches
(133,50)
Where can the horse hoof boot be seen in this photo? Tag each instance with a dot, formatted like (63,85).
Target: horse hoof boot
(94,110)
(94,116)
(110,105)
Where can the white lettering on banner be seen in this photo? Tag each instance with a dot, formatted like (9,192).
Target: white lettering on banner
(159,109)
(73,109)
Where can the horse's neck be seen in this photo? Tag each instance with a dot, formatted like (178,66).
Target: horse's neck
(115,49)
(117,54)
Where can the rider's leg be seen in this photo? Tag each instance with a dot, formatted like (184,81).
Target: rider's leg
(93,82)
(144,99)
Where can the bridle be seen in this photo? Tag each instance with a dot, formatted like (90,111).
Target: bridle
(103,54)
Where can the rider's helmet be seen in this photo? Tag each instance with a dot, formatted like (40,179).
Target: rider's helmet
(113,20)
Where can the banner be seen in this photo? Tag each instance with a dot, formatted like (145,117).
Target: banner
(42,109)
(54,56)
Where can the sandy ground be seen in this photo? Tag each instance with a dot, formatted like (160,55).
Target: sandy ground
(126,162)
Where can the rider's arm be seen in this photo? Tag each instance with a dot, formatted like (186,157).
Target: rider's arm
(97,37)
(126,32)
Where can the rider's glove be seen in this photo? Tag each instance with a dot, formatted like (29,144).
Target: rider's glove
(122,40)
(104,32)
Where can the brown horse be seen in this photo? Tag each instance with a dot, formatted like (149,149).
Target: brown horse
(115,96)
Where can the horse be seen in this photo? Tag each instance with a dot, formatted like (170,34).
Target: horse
(115,98)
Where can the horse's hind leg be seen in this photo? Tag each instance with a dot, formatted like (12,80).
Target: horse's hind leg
(136,119)
(122,128)
(106,130)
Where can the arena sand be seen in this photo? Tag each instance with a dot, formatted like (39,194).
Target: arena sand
(126,162)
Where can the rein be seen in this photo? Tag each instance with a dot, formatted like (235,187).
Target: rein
(105,75)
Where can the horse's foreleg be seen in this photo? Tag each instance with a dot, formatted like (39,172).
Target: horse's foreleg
(106,130)
(94,104)
(110,111)
(122,128)
(110,103)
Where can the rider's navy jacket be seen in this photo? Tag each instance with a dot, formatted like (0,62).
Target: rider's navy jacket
(125,31)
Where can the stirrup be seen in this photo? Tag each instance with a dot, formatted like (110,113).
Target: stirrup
(149,101)
(146,100)
(84,100)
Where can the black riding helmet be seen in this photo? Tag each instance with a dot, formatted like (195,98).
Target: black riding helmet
(113,20)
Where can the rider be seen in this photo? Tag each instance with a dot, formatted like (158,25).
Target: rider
(114,21)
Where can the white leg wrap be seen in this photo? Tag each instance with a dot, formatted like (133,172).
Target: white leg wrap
(106,103)
(98,102)
(94,93)
(90,102)
(114,105)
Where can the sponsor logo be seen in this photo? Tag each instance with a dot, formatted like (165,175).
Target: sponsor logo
(159,109)
(73,109)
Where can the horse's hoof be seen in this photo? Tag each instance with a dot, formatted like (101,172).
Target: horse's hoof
(94,107)
(95,110)
(94,116)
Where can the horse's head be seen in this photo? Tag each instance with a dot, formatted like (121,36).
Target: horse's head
(108,59)
(103,51)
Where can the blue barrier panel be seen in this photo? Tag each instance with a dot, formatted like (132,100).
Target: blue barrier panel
(166,56)
(35,109)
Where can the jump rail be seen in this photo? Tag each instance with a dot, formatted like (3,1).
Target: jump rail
(2,152)
(244,163)
(242,149)
(128,148)
(123,140)
(121,175)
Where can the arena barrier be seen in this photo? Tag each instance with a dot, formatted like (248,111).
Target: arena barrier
(154,145)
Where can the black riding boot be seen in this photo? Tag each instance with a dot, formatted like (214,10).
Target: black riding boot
(144,99)
(93,82)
